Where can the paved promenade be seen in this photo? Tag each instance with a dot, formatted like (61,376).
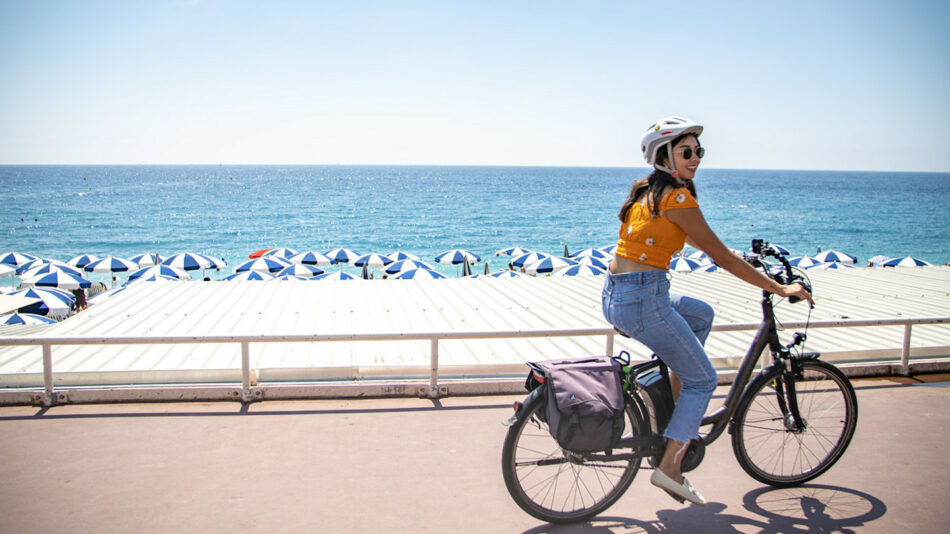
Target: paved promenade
(414,465)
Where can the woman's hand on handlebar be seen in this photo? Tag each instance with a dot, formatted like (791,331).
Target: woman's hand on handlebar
(795,290)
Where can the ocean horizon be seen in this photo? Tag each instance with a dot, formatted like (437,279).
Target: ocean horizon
(229,211)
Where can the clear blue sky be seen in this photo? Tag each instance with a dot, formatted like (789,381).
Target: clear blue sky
(861,85)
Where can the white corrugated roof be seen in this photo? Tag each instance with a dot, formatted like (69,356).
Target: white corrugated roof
(454,305)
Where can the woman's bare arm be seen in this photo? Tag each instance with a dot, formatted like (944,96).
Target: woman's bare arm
(701,236)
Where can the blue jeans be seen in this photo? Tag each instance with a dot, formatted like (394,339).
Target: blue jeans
(674,327)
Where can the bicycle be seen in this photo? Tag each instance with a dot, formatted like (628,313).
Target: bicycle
(789,424)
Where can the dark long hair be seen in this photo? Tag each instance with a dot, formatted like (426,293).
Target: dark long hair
(653,185)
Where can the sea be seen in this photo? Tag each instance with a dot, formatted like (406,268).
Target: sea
(230,211)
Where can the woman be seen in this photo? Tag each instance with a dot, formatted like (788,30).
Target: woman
(659,216)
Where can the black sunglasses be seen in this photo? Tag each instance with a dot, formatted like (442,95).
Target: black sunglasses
(688,152)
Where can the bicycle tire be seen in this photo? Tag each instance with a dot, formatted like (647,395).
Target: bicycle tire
(555,485)
(772,453)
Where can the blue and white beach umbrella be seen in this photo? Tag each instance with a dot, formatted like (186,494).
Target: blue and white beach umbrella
(111,264)
(834,256)
(310,258)
(341,255)
(159,270)
(285,278)
(372,260)
(513,251)
(419,274)
(33,264)
(58,279)
(527,259)
(700,256)
(6,270)
(831,265)
(147,260)
(405,265)
(188,261)
(906,261)
(684,265)
(284,252)
(707,268)
(507,274)
(216,263)
(592,253)
(40,268)
(338,275)
(878,260)
(153,278)
(52,303)
(263,265)
(593,262)
(24,319)
(400,255)
(609,249)
(68,295)
(549,265)
(582,270)
(250,276)
(803,261)
(301,270)
(15,258)
(737,252)
(82,260)
(457,256)
(781,250)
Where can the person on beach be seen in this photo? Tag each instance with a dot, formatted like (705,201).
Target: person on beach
(659,216)
(80,296)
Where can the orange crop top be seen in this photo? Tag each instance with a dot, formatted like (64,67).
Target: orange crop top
(650,241)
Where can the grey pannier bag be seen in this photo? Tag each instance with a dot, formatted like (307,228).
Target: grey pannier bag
(585,406)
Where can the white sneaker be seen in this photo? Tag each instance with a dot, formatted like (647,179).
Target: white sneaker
(675,489)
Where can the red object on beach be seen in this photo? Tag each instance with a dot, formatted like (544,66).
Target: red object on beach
(258,254)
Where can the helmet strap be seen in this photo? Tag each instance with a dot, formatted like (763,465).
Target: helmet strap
(672,172)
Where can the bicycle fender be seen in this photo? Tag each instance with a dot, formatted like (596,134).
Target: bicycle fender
(520,410)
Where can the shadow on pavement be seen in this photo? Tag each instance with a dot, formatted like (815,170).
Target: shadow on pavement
(244,410)
(809,509)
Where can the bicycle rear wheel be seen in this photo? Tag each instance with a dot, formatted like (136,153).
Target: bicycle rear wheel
(764,439)
(556,485)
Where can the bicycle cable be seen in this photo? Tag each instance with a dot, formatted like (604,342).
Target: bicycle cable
(781,327)
(811,307)
(800,349)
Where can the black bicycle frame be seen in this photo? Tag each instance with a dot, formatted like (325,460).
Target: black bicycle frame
(766,336)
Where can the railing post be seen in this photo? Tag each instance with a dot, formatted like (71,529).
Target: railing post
(434,368)
(245,371)
(610,344)
(905,351)
(48,395)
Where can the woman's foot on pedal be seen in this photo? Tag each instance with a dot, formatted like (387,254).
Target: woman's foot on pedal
(681,492)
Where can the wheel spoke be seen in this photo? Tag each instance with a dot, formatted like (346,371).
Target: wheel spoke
(775,454)
(557,486)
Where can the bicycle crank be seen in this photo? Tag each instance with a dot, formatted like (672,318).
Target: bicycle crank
(694,455)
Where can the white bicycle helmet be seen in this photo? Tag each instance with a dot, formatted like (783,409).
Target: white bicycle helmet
(661,134)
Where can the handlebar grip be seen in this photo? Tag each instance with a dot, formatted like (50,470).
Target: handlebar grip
(802,282)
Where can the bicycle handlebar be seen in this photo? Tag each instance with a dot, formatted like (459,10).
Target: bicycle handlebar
(786,276)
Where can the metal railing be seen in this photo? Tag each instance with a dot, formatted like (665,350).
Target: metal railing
(47,343)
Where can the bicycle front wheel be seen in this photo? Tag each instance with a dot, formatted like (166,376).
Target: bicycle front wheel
(765,440)
(560,486)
